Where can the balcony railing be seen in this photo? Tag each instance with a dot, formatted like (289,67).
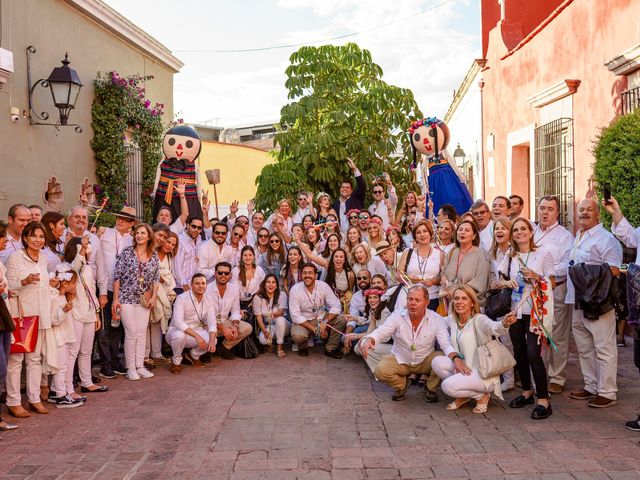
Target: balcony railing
(630,100)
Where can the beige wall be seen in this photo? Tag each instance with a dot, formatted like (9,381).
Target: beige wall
(29,154)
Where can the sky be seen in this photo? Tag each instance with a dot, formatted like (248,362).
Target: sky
(424,45)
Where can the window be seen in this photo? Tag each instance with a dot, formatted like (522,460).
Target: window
(630,100)
(554,165)
(134,178)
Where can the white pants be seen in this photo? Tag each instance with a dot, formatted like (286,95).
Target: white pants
(281,326)
(180,340)
(562,318)
(59,384)
(135,319)
(598,352)
(153,346)
(34,374)
(81,350)
(457,385)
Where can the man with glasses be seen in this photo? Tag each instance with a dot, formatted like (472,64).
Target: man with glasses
(357,305)
(314,308)
(382,207)
(214,251)
(225,298)
(304,206)
(189,246)
(482,216)
(348,198)
(363,224)
(257,220)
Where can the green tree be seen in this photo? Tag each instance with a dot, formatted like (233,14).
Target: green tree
(617,152)
(340,107)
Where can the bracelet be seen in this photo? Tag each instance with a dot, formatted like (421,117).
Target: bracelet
(454,358)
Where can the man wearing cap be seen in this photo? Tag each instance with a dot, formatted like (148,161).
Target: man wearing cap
(387,257)
(112,242)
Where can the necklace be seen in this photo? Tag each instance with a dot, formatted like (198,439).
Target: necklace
(141,265)
(422,264)
(459,334)
(201,314)
(461,256)
(26,251)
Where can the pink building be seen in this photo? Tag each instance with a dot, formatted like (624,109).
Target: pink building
(554,73)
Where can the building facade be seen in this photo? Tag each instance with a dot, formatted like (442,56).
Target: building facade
(554,72)
(97,39)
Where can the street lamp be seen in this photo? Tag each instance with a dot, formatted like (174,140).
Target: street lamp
(64,84)
(459,156)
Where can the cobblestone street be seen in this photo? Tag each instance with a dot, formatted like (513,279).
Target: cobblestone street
(315,418)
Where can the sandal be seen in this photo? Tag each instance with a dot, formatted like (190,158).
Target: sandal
(481,407)
(281,354)
(455,405)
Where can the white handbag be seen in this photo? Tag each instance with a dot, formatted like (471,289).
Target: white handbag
(493,357)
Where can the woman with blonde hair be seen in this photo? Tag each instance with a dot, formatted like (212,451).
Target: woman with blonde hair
(323,206)
(459,370)
(375,232)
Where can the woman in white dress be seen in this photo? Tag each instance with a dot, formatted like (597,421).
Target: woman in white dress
(269,308)
(248,277)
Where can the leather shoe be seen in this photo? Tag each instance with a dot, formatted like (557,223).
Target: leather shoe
(195,362)
(5,427)
(44,393)
(430,396)
(399,395)
(582,395)
(601,402)
(226,353)
(175,369)
(541,412)
(520,401)
(38,408)
(97,389)
(555,388)
(18,411)
(337,354)
(303,352)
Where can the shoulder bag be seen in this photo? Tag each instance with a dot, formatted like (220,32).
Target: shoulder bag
(493,357)
(498,302)
(25,335)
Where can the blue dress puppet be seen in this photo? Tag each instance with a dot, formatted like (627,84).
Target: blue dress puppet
(430,136)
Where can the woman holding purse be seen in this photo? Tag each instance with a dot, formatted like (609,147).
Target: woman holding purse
(459,371)
(6,326)
(135,290)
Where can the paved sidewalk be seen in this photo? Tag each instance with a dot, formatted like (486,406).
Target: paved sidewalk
(315,418)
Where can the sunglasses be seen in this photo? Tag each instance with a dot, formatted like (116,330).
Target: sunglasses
(479,214)
(353,217)
(263,236)
(236,234)
(196,227)
(301,199)
(219,232)
(378,191)
(363,217)
(362,278)
(227,272)
(243,222)
(274,241)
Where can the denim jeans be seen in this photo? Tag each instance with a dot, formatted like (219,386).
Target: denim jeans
(109,339)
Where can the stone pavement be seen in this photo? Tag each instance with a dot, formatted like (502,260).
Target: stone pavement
(315,418)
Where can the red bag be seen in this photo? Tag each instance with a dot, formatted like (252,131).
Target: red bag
(25,336)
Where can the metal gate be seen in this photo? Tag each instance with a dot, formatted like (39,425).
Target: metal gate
(134,179)
(554,170)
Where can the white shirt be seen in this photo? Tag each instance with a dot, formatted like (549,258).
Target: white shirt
(558,241)
(398,326)
(306,305)
(112,243)
(593,247)
(486,237)
(227,306)
(381,210)
(628,235)
(177,227)
(185,263)
(301,213)
(94,241)
(248,291)
(13,245)
(188,312)
(357,305)
(210,254)
(264,307)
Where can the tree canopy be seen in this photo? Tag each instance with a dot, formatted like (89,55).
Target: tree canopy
(340,107)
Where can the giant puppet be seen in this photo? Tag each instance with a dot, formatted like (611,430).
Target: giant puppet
(444,182)
(181,146)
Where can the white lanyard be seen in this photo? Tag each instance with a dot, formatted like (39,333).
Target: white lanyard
(201,314)
(314,305)
(415,335)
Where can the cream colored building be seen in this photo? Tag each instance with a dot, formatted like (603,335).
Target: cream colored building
(98,39)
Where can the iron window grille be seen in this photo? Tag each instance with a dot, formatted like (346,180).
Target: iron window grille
(630,100)
(134,178)
(554,169)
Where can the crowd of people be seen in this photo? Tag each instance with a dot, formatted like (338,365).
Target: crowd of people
(401,286)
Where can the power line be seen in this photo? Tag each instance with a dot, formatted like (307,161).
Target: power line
(338,37)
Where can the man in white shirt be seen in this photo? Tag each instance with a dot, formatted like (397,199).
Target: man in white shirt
(193,325)
(480,212)
(112,242)
(315,310)
(595,339)
(257,220)
(18,218)
(501,207)
(190,246)
(549,234)
(214,251)
(304,206)
(414,332)
(382,207)
(78,221)
(358,302)
(225,298)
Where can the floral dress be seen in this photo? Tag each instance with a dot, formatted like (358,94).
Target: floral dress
(135,277)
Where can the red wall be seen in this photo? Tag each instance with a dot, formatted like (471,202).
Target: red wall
(574,45)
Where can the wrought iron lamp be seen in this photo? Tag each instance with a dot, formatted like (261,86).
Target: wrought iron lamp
(459,156)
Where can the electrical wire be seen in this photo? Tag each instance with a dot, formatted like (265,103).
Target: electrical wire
(338,37)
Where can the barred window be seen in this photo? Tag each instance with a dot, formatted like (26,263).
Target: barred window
(630,100)
(134,178)
(554,165)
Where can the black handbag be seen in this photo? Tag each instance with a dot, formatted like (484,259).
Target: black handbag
(247,348)
(498,302)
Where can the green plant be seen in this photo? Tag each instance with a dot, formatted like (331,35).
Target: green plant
(340,108)
(120,105)
(617,152)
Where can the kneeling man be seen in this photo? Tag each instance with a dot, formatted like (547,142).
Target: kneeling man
(193,325)
(414,332)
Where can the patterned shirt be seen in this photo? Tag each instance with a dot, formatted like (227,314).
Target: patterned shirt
(135,277)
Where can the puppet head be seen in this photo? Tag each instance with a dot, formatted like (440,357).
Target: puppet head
(182,143)
(429,136)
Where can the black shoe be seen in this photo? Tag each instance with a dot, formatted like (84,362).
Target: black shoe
(337,354)
(633,425)
(119,370)
(430,396)
(106,372)
(205,358)
(95,379)
(52,397)
(399,395)
(100,389)
(303,352)
(541,412)
(68,402)
(226,353)
(520,401)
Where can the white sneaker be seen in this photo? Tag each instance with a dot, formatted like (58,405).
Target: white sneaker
(132,374)
(294,347)
(144,373)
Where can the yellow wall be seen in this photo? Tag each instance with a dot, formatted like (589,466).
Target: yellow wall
(239,166)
